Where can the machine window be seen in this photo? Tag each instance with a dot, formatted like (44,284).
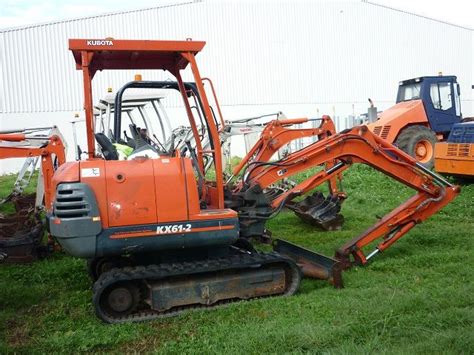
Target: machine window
(409,92)
(441,96)
(434,93)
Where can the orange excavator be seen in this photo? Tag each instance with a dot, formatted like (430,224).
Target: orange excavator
(163,235)
(21,235)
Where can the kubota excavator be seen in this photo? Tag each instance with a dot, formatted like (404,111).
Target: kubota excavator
(162,235)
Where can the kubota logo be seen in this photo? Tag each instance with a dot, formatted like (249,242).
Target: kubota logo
(245,130)
(100,42)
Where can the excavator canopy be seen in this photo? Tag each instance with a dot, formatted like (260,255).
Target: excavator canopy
(133,54)
(92,55)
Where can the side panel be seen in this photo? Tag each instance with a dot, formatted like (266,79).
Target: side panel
(130,188)
(92,173)
(191,188)
(454,158)
(170,190)
(168,236)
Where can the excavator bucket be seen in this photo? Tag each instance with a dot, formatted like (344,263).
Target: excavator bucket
(21,233)
(312,264)
(319,211)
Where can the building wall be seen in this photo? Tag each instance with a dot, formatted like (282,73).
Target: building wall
(302,58)
(472,80)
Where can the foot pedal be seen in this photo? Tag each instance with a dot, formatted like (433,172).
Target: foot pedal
(312,265)
(319,211)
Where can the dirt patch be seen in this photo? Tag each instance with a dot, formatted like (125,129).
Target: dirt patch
(17,333)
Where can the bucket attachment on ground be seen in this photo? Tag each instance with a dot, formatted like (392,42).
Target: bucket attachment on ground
(319,211)
(312,264)
(21,233)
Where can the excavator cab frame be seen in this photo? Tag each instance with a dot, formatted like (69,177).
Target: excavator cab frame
(172,56)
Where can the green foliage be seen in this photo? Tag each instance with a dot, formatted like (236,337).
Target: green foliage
(417,297)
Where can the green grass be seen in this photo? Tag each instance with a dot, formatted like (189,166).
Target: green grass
(6,185)
(417,297)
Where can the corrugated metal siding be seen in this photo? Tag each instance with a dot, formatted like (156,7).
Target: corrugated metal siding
(472,80)
(39,71)
(258,53)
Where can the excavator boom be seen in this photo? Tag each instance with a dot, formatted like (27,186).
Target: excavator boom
(317,210)
(51,148)
(356,145)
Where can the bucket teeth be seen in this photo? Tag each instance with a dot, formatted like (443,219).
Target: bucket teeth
(319,211)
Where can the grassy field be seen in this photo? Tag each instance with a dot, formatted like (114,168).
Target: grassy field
(417,297)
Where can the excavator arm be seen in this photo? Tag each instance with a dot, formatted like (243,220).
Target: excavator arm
(21,235)
(51,150)
(276,135)
(315,209)
(358,145)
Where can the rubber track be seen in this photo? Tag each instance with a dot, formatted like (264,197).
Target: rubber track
(156,272)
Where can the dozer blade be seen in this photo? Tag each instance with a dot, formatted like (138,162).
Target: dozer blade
(319,211)
(312,264)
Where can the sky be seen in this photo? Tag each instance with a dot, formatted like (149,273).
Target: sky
(15,13)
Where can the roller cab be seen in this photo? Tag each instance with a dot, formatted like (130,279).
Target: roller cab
(426,109)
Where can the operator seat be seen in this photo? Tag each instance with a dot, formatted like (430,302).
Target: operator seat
(106,146)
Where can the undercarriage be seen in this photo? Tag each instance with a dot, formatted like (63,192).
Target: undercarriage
(161,290)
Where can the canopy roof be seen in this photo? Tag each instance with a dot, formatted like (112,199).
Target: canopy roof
(133,97)
(133,54)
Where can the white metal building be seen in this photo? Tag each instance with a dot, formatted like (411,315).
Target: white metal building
(305,58)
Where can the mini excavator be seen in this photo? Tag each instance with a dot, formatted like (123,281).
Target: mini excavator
(163,235)
(22,232)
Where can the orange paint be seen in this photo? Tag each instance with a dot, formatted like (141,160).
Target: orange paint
(53,148)
(392,121)
(454,158)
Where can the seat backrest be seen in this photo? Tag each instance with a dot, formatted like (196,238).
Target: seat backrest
(106,146)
